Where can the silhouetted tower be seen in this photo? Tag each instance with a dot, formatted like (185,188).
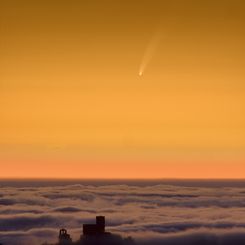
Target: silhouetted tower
(100,222)
(95,229)
(64,237)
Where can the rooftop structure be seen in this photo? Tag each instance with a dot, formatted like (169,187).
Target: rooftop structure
(64,237)
(95,229)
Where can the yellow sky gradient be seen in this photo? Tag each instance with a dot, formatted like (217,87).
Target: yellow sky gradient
(72,104)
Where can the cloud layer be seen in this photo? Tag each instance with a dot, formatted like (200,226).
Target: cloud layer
(151,214)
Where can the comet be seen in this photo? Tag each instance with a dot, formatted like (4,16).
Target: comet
(149,52)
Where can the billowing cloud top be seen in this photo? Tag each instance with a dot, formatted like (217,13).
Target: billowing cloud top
(151,214)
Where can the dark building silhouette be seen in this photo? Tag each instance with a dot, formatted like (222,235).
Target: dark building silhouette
(64,237)
(93,234)
(95,229)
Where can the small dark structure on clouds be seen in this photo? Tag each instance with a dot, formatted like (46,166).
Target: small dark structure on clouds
(64,237)
(94,234)
(89,230)
(95,229)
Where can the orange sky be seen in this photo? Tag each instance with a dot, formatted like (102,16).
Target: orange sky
(72,103)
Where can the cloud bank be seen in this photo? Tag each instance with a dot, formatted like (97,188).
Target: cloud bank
(151,214)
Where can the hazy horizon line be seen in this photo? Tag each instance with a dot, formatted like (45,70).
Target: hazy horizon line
(115,179)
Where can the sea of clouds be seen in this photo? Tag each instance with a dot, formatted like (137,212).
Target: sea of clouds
(151,214)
